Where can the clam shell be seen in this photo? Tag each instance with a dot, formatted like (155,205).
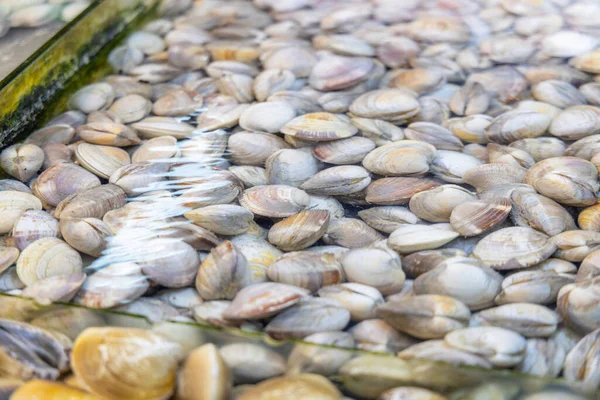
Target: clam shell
(223,273)
(97,348)
(306,270)
(108,134)
(398,190)
(57,288)
(252,363)
(470,129)
(575,245)
(220,116)
(418,263)
(101,160)
(300,230)
(22,161)
(63,180)
(451,166)
(436,135)
(177,103)
(157,262)
(538,287)
(222,219)
(509,155)
(472,218)
(307,317)
(296,59)
(272,81)
(335,72)
(350,232)
(34,225)
(204,373)
(576,304)
(351,150)
(8,256)
(275,201)
(249,175)
(263,145)
(513,248)
(360,300)
(313,386)
(425,316)
(291,167)
(56,153)
(87,235)
(540,213)
(340,180)
(267,117)
(153,127)
(94,97)
(378,335)
(47,257)
(580,364)
(380,131)
(488,175)
(576,123)
(319,126)
(136,179)
(92,203)
(112,286)
(402,158)
(264,300)
(388,218)
(393,105)
(411,238)
(384,271)
(314,359)
(464,279)
(13,204)
(59,133)
(436,205)
(529,320)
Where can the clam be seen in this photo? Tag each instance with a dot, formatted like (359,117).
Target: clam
(125,58)
(514,248)
(501,347)
(222,219)
(319,126)
(223,273)
(488,175)
(8,256)
(530,320)
(425,316)
(87,235)
(46,257)
(14,185)
(94,97)
(509,155)
(263,300)
(402,158)
(108,134)
(537,287)
(13,204)
(291,167)
(345,151)
(220,116)
(339,180)
(22,161)
(581,362)
(139,178)
(472,218)
(470,129)
(35,387)
(503,81)
(177,103)
(558,93)
(384,271)
(300,230)
(154,73)
(300,61)
(267,117)
(410,392)
(9,280)
(448,278)
(360,300)
(307,317)
(274,200)
(336,72)
(152,127)
(378,335)
(33,225)
(249,175)
(451,166)
(156,262)
(263,146)
(101,348)
(91,203)
(252,363)
(61,181)
(576,123)
(387,218)
(588,269)
(575,245)
(113,285)
(57,288)
(394,105)
(503,192)
(585,148)
(102,161)
(577,304)
(419,80)
(310,386)
(397,190)
(436,205)
(55,153)
(310,357)
(307,270)
(411,238)
(351,233)
(540,213)
(205,373)
(272,81)
(469,100)
(59,133)
(378,130)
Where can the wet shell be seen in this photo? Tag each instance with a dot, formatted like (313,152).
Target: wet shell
(397,191)
(509,155)
(319,127)
(336,181)
(223,273)
(47,257)
(310,271)
(254,148)
(538,287)
(335,73)
(513,248)
(98,96)
(475,217)
(63,180)
(425,316)
(87,235)
(307,317)
(267,117)
(13,204)
(530,320)
(252,363)
(157,262)
(581,362)
(291,167)
(411,238)
(101,160)
(540,213)
(381,132)
(153,127)
(8,256)
(402,158)
(387,219)
(57,288)
(383,272)
(418,263)
(576,245)
(451,166)
(577,304)
(345,151)
(249,175)
(299,231)
(111,349)
(222,219)
(388,104)
(60,133)
(436,205)
(351,233)
(91,203)
(108,133)
(470,129)
(306,385)
(576,123)
(488,175)
(22,161)
(177,103)
(275,201)
(263,300)
(34,225)
(204,374)
(272,81)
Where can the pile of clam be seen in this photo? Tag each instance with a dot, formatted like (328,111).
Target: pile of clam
(417,178)
(38,13)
